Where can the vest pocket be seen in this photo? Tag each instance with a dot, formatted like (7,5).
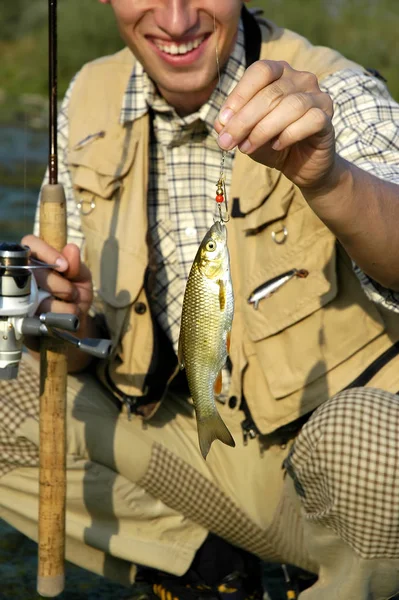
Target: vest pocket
(311,325)
(100,165)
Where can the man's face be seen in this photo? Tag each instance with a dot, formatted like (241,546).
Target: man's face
(175,40)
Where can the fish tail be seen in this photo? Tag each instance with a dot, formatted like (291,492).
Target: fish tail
(210,429)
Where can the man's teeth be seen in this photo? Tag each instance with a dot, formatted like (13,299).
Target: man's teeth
(179,48)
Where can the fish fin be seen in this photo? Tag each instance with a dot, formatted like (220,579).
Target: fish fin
(228,341)
(218,384)
(256,304)
(222,294)
(210,429)
(180,357)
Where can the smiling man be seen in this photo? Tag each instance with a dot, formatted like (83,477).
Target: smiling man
(175,42)
(309,395)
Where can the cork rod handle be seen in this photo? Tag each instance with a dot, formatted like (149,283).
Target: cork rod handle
(52,448)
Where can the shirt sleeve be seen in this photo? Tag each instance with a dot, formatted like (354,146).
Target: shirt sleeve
(74,228)
(366,123)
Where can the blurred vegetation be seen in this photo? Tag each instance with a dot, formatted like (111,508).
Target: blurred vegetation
(363,30)
(86,30)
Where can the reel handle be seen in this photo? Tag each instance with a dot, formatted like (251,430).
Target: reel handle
(61,321)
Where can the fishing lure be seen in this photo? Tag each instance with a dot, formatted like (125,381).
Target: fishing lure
(221,196)
(272,285)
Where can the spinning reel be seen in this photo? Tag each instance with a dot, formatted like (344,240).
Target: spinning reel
(19,299)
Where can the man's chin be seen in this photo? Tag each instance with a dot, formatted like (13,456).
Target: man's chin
(186,84)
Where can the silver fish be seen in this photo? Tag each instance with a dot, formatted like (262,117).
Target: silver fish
(206,321)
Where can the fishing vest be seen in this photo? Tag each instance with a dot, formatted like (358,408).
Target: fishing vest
(311,339)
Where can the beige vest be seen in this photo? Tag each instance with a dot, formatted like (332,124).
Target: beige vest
(303,344)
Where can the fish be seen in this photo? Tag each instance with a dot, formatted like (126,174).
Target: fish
(272,285)
(204,341)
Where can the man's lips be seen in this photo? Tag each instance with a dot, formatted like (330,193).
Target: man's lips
(179,53)
(174,48)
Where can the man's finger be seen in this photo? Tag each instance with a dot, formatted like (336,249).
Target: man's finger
(290,109)
(42,251)
(57,306)
(293,89)
(314,122)
(56,284)
(72,254)
(256,77)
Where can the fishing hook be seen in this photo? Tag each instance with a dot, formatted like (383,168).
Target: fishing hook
(221,196)
(226,218)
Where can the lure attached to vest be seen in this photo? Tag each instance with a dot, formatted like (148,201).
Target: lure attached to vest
(272,285)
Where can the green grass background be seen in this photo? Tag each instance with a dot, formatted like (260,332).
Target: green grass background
(363,30)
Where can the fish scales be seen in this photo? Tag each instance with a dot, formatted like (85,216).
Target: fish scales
(207,315)
(205,337)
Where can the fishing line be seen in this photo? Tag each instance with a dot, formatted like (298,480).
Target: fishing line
(25,226)
(221,195)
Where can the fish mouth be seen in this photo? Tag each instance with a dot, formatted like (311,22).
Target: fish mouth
(219,228)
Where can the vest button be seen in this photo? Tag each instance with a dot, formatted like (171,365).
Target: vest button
(140,308)
(232,401)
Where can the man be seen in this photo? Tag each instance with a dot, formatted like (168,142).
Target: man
(307,190)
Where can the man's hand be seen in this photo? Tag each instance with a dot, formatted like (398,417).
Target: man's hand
(71,292)
(282,119)
(70,287)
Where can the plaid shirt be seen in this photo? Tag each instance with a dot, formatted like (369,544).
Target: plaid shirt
(185,166)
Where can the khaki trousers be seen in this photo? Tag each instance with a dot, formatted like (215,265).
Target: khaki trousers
(142,494)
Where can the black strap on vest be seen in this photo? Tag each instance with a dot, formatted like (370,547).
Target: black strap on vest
(253,42)
(252,37)
(373,368)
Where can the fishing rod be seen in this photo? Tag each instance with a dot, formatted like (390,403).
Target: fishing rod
(20,298)
(53,363)
(53,367)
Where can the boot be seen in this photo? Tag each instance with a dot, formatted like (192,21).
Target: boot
(219,571)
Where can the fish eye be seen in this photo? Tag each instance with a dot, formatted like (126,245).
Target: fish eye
(211,245)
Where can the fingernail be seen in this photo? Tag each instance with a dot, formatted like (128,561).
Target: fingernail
(225,115)
(225,141)
(276,145)
(61,263)
(245,146)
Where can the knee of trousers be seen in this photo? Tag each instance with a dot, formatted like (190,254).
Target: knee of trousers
(345,467)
